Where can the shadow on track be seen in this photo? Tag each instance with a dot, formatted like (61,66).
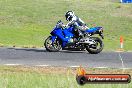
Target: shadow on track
(69,51)
(27,49)
(43,50)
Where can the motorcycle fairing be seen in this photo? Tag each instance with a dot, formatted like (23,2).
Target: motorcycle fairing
(64,35)
(68,32)
(59,33)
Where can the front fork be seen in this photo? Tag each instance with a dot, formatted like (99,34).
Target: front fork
(53,38)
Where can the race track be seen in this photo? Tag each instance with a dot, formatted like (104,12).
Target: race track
(40,57)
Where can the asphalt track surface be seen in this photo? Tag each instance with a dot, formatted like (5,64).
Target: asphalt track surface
(40,57)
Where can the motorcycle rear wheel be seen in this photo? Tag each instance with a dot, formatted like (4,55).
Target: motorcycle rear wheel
(96,50)
(52,46)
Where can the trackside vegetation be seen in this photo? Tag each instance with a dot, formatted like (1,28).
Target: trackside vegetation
(52,77)
(29,22)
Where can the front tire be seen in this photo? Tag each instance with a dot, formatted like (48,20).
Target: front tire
(95,50)
(52,46)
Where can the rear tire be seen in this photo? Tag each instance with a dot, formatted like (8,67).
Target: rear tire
(98,50)
(52,46)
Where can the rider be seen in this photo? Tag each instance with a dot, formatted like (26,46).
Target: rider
(76,22)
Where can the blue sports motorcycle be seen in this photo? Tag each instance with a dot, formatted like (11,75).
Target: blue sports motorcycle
(68,38)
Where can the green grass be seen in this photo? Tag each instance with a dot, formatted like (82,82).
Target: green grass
(36,77)
(28,22)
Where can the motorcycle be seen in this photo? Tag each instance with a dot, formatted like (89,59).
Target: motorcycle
(67,38)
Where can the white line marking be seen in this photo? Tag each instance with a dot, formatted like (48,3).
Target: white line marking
(42,65)
(12,64)
(125,68)
(74,66)
(122,62)
(101,67)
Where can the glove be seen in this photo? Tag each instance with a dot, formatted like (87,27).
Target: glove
(64,26)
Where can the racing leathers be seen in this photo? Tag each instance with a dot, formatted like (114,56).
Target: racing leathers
(78,25)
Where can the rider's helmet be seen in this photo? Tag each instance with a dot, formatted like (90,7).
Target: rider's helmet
(69,15)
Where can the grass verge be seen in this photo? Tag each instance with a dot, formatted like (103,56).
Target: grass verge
(51,77)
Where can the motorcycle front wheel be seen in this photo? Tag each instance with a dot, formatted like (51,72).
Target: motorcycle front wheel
(95,48)
(52,46)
